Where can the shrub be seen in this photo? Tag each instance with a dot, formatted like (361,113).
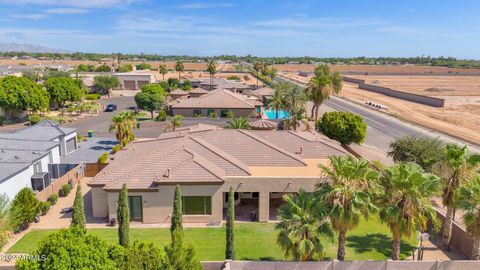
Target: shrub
(34,118)
(162,116)
(53,199)
(45,207)
(65,190)
(230,115)
(4,218)
(25,207)
(213,115)
(233,78)
(116,148)
(102,159)
(2,120)
(344,127)
(425,151)
(93,96)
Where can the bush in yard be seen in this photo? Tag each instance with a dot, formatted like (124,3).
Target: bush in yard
(142,256)
(65,190)
(78,213)
(4,219)
(230,115)
(344,127)
(233,78)
(53,199)
(45,207)
(34,118)
(425,151)
(116,148)
(102,159)
(62,90)
(162,116)
(93,96)
(25,207)
(73,249)
(213,115)
(2,120)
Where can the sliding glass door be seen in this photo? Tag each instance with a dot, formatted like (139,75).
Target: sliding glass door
(136,208)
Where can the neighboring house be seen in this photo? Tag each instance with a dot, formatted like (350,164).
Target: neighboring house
(220,83)
(27,156)
(179,94)
(134,80)
(206,161)
(220,101)
(264,94)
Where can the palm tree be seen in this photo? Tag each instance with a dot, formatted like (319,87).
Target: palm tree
(162,69)
(348,194)
(212,69)
(295,104)
(179,67)
(302,221)
(277,100)
(257,66)
(322,86)
(239,123)
(265,71)
(176,121)
(469,201)
(273,73)
(123,124)
(456,167)
(405,204)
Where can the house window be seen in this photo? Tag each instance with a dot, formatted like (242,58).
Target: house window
(197,205)
(210,111)
(224,113)
(37,167)
(197,112)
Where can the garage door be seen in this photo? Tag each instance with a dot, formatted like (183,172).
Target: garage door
(141,83)
(129,85)
(71,145)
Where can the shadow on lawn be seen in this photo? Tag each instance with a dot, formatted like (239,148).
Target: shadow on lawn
(377,242)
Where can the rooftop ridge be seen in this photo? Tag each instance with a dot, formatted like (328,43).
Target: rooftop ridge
(207,165)
(233,160)
(321,139)
(273,146)
(237,97)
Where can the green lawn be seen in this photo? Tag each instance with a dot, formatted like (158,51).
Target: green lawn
(254,241)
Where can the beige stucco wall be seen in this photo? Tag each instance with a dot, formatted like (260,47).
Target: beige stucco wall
(157,206)
(236,112)
(99,202)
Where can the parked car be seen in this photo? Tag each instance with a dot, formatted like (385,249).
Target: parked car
(111,108)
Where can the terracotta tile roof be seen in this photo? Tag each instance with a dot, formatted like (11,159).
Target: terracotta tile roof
(179,92)
(218,99)
(198,91)
(209,156)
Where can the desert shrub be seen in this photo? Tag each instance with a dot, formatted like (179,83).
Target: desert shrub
(34,118)
(94,96)
(25,207)
(162,116)
(103,158)
(213,115)
(344,127)
(53,199)
(65,190)
(230,115)
(233,78)
(116,148)
(45,207)
(425,151)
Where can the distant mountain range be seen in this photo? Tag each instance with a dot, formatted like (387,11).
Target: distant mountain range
(28,48)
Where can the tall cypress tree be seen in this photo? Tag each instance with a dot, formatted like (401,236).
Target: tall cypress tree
(230,248)
(178,257)
(78,213)
(177,216)
(123,217)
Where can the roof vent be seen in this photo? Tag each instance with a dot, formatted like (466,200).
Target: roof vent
(17,157)
(167,174)
(300,152)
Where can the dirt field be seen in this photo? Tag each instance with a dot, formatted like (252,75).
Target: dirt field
(377,69)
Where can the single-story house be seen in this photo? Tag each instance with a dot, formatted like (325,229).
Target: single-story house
(261,166)
(179,94)
(27,156)
(220,101)
(219,83)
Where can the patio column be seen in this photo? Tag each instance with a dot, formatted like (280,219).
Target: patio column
(264,207)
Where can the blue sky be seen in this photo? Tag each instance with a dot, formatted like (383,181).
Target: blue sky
(265,28)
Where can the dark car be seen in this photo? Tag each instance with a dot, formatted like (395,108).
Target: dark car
(111,108)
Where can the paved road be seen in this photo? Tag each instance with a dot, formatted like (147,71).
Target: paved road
(383,128)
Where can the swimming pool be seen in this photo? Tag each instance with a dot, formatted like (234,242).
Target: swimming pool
(271,114)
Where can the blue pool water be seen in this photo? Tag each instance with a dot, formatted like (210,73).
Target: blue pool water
(271,114)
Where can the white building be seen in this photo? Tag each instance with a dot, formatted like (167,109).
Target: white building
(134,80)
(27,155)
